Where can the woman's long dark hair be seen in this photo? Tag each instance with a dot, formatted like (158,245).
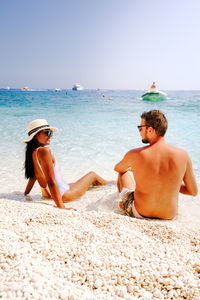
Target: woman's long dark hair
(28,164)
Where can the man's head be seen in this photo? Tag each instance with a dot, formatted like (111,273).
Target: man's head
(153,119)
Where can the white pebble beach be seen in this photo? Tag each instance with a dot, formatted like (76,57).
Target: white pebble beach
(95,252)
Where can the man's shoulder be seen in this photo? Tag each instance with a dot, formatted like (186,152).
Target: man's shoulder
(177,149)
(137,150)
(178,153)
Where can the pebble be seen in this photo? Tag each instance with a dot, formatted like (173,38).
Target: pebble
(171,294)
(98,283)
(147,295)
(157,293)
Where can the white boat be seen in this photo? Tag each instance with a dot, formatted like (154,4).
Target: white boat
(25,89)
(77,87)
(58,90)
(6,88)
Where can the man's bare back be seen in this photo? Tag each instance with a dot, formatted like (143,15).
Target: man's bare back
(160,171)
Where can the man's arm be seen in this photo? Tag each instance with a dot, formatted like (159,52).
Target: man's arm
(190,186)
(125,164)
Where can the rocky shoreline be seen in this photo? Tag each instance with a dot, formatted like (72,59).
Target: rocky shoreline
(47,253)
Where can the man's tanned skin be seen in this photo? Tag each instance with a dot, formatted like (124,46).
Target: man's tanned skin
(160,171)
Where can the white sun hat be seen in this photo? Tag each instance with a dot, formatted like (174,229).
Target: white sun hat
(36,126)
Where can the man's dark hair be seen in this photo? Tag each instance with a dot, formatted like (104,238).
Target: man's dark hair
(157,120)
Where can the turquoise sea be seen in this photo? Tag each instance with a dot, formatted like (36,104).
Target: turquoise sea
(96,128)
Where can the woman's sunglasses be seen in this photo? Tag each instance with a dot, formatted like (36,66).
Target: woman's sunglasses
(48,132)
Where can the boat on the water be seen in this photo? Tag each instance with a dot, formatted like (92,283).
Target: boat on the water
(6,88)
(25,89)
(77,87)
(154,94)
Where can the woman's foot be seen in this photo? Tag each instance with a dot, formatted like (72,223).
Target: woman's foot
(107,182)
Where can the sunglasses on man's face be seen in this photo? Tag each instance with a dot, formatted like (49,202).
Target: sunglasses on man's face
(48,132)
(140,127)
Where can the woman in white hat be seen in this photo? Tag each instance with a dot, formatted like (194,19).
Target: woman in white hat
(41,165)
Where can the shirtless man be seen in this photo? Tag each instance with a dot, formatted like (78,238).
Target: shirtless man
(153,86)
(160,172)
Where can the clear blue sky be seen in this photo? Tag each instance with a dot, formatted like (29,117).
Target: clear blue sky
(111,44)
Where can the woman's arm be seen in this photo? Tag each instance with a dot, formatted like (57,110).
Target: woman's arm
(30,185)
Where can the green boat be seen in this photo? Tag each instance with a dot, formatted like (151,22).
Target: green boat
(154,96)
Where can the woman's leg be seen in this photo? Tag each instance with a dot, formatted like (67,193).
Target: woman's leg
(79,187)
